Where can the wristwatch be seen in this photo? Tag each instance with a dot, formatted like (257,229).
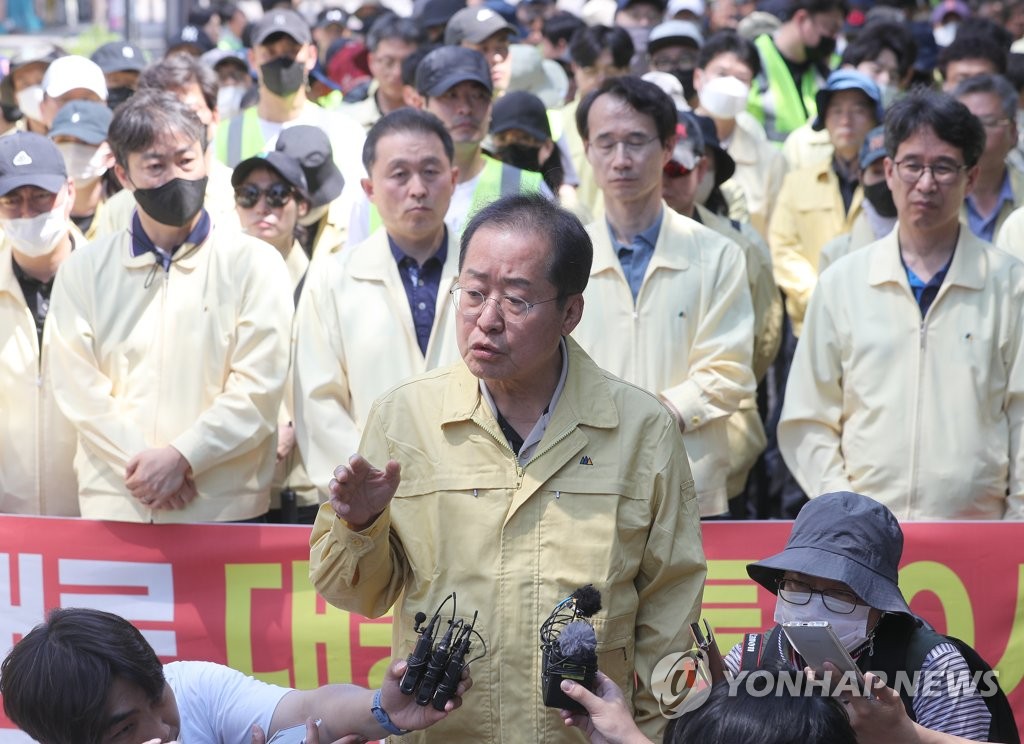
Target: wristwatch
(383,718)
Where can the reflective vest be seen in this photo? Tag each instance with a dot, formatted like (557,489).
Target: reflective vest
(774,98)
(239,138)
(496,179)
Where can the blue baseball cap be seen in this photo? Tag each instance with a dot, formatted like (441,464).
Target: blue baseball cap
(846,79)
(873,148)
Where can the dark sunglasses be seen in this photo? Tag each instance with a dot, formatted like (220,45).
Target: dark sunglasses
(674,169)
(278,194)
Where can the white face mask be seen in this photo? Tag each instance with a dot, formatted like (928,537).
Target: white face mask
(851,629)
(30,102)
(945,34)
(85,162)
(229,101)
(706,185)
(724,97)
(37,236)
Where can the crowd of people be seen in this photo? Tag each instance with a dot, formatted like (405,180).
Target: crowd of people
(506,299)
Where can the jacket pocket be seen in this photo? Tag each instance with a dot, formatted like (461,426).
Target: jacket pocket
(615,650)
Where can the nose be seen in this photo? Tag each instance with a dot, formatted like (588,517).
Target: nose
(930,184)
(621,157)
(417,186)
(490,317)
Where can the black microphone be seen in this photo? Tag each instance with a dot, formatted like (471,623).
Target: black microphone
(417,660)
(569,646)
(453,672)
(436,666)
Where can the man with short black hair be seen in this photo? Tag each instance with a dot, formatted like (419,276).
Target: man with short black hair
(390,41)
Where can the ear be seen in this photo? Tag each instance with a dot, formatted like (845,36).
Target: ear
(666,152)
(972,178)
(698,78)
(545,151)
(890,172)
(302,208)
(108,155)
(122,177)
(70,203)
(573,314)
(311,52)
(367,185)
(455,176)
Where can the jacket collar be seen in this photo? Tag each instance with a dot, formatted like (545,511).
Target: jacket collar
(372,260)
(585,400)
(8,281)
(605,258)
(967,269)
(186,257)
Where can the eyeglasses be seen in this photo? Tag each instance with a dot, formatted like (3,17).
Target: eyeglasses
(839,601)
(675,169)
(910,171)
(634,144)
(277,194)
(471,303)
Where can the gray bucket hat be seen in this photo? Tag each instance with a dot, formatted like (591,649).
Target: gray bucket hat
(843,537)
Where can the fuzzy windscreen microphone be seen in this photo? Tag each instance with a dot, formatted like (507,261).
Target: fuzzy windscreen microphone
(569,646)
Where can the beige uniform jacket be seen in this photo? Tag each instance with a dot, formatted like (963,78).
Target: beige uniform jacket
(760,169)
(808,214)
(607,499)
(194,357)
(355,339)
(688,337)
(37,442)
(924,415)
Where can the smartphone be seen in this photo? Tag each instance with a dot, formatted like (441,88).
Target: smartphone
(817,643)
(292,735)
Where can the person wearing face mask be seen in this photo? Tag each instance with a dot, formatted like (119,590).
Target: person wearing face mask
(794,63)
(121,63)
(27,68)
(841,565)
(236,88)
(37,442)
(726,65)
(673,47)
(878,210)
(172,338)
(638,18)
(821,201)
(67,79)
(885,52)
(283,54)
(946,18)
(521,136)
(80,133)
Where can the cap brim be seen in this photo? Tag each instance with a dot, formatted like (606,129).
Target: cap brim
(451,80)
(725,166)
(87,135)
(257,40)
(47,181)
(873,588)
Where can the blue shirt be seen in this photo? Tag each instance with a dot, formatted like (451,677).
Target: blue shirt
(925,292)
(141,243)
(985,227)
(421,286)
(635,257)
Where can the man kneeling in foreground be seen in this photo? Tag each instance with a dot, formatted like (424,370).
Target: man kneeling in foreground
(89,677)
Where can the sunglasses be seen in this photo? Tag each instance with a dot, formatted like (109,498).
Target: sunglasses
(277,194)
(675,169)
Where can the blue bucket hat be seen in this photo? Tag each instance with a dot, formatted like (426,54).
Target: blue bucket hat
(846,80)
(843,537)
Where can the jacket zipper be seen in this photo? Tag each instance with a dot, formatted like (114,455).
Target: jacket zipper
(915,452)
(38,412)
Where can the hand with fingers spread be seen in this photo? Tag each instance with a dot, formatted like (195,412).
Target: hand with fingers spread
(360,492)
(608,719)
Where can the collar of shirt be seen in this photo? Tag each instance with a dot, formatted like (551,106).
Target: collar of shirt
(982,226)
(400,256)
(925,292)
(141,243)
(648,238)
(537,432)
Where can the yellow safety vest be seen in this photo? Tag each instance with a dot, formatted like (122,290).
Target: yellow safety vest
(774,98)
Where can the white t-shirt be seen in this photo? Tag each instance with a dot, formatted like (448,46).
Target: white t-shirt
(218,705)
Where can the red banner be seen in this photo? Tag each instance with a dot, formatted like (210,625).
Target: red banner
(240,594)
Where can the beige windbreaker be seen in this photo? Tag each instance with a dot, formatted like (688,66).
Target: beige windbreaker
(37,443)
(355,339)
(688,338)
(607,499)
(924,415)
(194,357)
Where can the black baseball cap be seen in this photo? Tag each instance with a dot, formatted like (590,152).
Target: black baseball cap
(281,22)
(29,159)
(311,148)
(192,36)
(331,17)
(520,109)
(285,165)
(447,66)
(725,166)
(87,121)
(433,13)
(119,56)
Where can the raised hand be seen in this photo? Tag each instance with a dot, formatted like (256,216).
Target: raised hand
(360,492)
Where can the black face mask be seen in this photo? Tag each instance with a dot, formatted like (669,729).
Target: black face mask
(880,197)
(521,156)
(283,76)
(822,51)
(175,203)
(117,96)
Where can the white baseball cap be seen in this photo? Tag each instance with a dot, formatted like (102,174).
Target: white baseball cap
(69,73)
(679,6)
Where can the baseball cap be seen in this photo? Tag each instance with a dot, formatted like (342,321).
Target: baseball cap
(84,120)
(286,166)
(191,36)
(689,141)
(119,56)
(623,4)
(284,22)
(29,159)
(475,25)
(725,166)
(217,57)
(873,148)
(72,72)
(520,109)
(685,6)
(436,12)
(447,66)
(670,84)
(530,72)
(949,7)
(846,80)
(674,31)
(331,17)
(310,147)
